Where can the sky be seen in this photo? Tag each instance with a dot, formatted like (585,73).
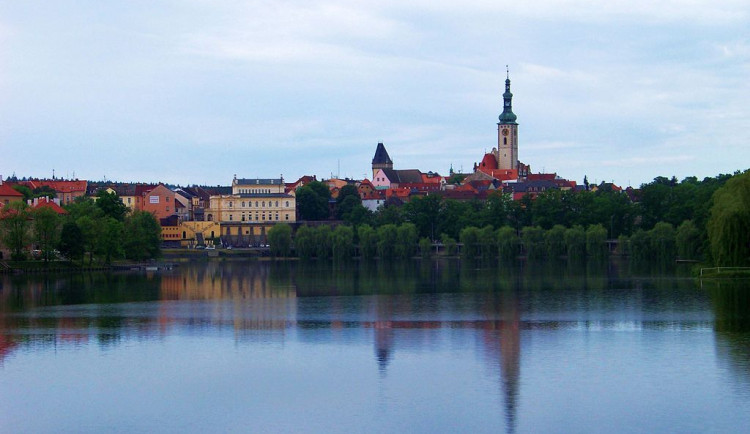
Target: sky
(196,91)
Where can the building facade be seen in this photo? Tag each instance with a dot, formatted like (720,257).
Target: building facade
(253,201)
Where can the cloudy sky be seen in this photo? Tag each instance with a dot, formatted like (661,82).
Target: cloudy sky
(195,91)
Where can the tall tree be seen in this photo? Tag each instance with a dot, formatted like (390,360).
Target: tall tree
(280,239)
(142,235)
(111,205)
(729,225)
(14,228)
(312,201)
(46,231)
(71,241)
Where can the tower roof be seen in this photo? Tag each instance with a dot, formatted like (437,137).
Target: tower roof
(507,116)
(381,155)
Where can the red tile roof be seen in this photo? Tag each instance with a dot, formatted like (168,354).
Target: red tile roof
(43,202)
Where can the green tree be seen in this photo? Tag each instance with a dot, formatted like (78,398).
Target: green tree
(596,242)
(368,241)
(449,244)
(662,238)
(14,228)
(45,191)
(91,228)
(729,224)
(487,242)
(688,240)
(387,240)
(575,243)
(323,242)
(508,243)
(533,241)
(71,241)
(142,235)
(25,191)
(425,212)
(425,247)
(304,242)
(554,241)
(111,205)
(347,200)
(407,239)
(470,238)
(46,231)
(280,239)
(342,242)
(312,201)
(640,247)
(109,243)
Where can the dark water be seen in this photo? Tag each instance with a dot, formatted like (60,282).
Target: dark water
(432,347)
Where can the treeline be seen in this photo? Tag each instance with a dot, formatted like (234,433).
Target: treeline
(98,230)
(663,220)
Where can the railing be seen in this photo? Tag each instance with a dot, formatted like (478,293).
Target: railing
(719,270)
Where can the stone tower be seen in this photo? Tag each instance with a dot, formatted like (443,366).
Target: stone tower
(381,160)
(507,132)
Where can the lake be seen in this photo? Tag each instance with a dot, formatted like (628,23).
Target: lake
(424,347)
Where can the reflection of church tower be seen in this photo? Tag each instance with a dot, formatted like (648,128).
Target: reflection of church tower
(507,133)
(507,331)
(381,160)
(383,332)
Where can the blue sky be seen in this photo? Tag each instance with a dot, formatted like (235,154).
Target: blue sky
(195,91)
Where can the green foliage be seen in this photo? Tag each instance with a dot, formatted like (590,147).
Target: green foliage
(575,243)
(662,239)
(111,205)
(554,241)
(46,226)
(109,243)
(142,235)
(470,238)
(312,201)
(323,247)
(71,241)
(640,247)
(342,242)
(533,242)
(387,240)
(729,224)
(280,239)
(304,242)
(425,247)
(425,212)
(596,242)
(449,244)
(25,191)
(508,243)
(368,241)
(15,228)
(688,240)
(406,241)
(347,200)
(389,215)
(45,191)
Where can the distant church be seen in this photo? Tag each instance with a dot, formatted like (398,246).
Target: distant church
(502,162)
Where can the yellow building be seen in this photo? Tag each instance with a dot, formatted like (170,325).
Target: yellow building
(253,201)
(254,206)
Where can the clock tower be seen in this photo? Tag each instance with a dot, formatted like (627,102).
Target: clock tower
(507,132)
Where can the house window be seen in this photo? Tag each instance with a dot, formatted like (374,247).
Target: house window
(286,216)
(243,217)
(230,204)
(230,217)
(243,203)
(287,203)
(277,203)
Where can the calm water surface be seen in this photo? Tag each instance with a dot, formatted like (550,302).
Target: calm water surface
(423,347)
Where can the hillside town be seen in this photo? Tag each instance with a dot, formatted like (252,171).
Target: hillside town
(241,214)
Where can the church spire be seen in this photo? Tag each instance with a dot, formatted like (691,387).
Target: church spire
(507,116)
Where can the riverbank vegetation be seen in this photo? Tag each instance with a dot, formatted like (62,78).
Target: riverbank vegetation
(90,232)
(666,219)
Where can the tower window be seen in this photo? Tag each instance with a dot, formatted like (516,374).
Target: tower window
(505,140)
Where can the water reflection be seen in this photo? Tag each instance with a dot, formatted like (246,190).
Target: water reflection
(731,305)
(396,308)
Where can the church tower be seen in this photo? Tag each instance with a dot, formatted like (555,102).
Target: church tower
(507,132)
(381,160)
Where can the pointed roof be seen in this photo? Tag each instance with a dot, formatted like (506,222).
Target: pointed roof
(381,155)
(507,116)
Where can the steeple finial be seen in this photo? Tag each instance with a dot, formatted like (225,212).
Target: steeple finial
(507,72)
